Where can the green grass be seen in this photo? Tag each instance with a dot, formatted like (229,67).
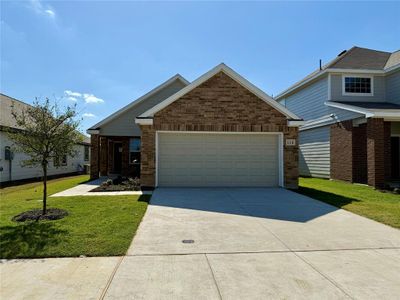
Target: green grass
(95,226)
(363,200)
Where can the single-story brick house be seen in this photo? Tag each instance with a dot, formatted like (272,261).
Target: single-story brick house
(219,130)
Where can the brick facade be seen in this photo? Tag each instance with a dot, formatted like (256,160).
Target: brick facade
(341,149)
(219,104)
(387,151)
(361,153)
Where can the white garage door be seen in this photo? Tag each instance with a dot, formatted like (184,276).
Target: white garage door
(204,159)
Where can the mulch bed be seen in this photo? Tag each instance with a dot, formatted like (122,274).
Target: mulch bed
(115,188)
(36,215)
(119,184)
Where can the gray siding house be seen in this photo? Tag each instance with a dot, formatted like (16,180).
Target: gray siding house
(351,108)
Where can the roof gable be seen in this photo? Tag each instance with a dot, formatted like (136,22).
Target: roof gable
(233,75)
(136,102)
(356,59)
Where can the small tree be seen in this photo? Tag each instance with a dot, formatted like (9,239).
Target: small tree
(45,132)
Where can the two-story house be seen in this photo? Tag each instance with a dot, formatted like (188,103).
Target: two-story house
(351,108)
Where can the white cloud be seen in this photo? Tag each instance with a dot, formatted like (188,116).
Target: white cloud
(51,13)
(90,98)
(42,9)
(72,94)
(88,115)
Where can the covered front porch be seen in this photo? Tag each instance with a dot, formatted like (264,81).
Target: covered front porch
(369,152)
(367,149)
(115,155)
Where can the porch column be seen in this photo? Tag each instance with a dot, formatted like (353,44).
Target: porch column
(388,152)
(103,155)
(94,156)
(376,152)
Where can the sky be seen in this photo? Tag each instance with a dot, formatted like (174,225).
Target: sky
(103,55)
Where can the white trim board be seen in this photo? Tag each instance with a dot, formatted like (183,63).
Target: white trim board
(281,170)
(235,76)
(139,100)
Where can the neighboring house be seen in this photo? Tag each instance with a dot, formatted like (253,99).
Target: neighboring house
(219,130)
(66,165)
(351,108)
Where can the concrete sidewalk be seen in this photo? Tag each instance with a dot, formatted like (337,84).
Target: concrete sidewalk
(84,189)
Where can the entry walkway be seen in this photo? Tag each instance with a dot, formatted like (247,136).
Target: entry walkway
(85,188)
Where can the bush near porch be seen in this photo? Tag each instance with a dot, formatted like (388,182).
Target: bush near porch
(363,200)
(95,226)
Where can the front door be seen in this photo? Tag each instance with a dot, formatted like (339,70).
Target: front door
(395,149)
(117,158)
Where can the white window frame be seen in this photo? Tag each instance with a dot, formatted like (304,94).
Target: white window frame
(281,170)
(344,93)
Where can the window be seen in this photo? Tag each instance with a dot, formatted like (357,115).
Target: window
(353,85)
(57,162)
(134,151)
(86,153)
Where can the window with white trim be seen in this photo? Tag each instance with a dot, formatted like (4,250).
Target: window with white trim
(357,85)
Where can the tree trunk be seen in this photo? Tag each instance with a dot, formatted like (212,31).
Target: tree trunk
(44,188)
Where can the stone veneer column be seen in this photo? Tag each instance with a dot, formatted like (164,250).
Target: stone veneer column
(376,152)
(94,156)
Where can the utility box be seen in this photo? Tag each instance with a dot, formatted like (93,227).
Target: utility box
(8,154)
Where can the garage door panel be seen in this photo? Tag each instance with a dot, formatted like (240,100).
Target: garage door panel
(202,159)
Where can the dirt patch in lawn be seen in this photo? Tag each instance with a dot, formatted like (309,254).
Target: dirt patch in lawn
(36,215)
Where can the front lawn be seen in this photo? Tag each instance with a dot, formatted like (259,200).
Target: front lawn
(363,200)
(95,226)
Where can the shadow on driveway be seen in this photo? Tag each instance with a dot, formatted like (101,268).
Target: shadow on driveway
(270,203)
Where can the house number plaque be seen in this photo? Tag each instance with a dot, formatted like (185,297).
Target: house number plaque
(290,142)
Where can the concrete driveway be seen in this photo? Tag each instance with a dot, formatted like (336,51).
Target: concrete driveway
(242,243)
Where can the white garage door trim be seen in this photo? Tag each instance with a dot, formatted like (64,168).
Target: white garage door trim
(280,146)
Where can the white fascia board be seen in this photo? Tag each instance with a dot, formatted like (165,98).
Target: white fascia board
(386,113)
(355,71)
(323,121)
(363,111)
(393,114)
(295,123)
(235,76)
(141,99)
(92,131)
(392,68)
(144,121)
